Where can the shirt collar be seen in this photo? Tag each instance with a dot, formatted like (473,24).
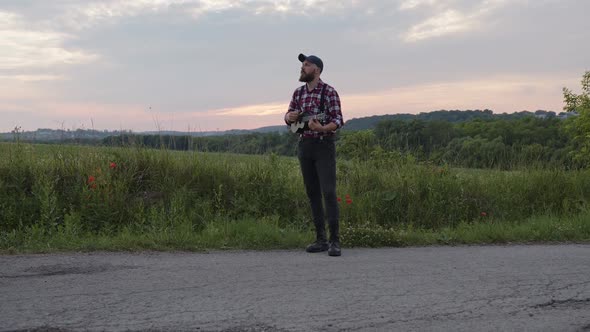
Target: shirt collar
(319,86)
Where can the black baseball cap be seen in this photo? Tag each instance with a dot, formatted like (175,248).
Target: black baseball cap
(313,59)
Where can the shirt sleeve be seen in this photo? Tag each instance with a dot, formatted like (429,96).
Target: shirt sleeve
(334,108)
(293,105)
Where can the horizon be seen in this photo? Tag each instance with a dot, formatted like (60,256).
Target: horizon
(270,126)
(203,65)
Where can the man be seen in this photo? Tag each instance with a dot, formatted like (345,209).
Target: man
(317,150)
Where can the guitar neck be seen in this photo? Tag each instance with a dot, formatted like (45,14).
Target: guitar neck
(315,116)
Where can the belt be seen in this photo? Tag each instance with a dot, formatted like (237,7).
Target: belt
(316,139)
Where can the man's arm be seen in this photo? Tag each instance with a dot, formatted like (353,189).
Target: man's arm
(334,109)
(293,111)
(315,125)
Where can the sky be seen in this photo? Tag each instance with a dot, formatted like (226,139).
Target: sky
(202,65)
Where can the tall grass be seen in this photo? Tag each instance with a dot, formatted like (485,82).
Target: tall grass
(432,197)
(162,198)
(106,188)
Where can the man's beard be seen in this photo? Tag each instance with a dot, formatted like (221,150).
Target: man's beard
(306,77)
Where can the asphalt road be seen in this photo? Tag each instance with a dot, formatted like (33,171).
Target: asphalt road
(467,288)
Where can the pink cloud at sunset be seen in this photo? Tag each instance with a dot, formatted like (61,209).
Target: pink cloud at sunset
(500,94)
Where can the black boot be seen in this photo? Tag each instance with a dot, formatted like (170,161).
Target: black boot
(320,244)
(317,246)
(334,249)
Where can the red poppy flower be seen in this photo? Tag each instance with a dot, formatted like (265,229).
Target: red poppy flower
(483,214)
(91,182)
(349,201)
(113,165)
(347,196)
(339,199)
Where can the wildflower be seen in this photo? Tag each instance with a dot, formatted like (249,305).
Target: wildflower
(339,199)
(483,214)
(113,165)
(348,201)
(91,182)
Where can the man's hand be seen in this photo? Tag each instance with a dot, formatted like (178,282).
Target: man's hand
(291,116)
(315,125)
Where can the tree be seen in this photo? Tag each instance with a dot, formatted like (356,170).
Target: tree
(357,144)
(579,126)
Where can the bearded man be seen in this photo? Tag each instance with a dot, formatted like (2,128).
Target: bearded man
(320,104)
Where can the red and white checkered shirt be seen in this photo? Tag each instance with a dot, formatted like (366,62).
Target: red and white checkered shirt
(308,102)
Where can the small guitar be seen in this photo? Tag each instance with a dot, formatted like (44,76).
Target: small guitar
(302,122)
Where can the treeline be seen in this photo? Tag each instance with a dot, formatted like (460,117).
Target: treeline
(497,143)
(453,116)
(251,143)
(480,143)
(61,136)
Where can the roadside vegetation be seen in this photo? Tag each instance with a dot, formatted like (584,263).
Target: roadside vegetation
(66,197)
(56,197)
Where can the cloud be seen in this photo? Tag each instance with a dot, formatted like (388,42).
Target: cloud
(88,14)
(31,78)
(176,54)
(412,4)
(445,23)
(254,110)
(25,48)
(501,93)
(448,20)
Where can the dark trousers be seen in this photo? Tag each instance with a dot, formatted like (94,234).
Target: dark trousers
(317,158)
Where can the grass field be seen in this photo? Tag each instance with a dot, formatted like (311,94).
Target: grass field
(57,197)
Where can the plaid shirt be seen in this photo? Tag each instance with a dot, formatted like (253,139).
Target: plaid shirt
(309,104)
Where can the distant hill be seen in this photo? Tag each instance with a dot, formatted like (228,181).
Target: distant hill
(441,115)
(268,129)
(369,122)
(51,135)
(58,135)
